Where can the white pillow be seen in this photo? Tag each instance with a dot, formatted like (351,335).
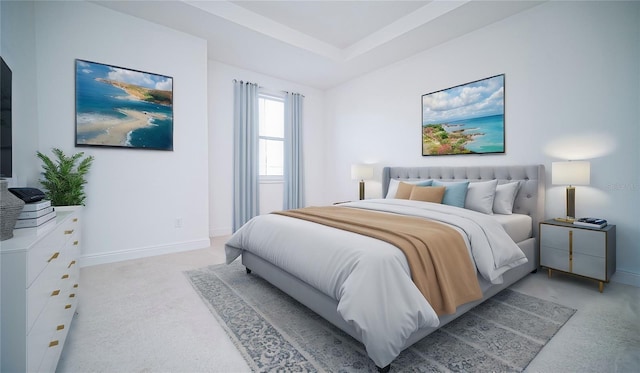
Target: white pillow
(505,197)
(393,185)
(480,196)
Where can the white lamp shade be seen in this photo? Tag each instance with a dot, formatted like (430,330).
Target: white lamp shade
(571,173)
(361,172)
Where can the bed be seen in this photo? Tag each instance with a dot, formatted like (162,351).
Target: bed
(352,280)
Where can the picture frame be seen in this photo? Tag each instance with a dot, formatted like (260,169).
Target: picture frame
(119,107)
(465,119)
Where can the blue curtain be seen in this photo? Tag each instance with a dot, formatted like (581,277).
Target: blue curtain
(245,153)
(293,162)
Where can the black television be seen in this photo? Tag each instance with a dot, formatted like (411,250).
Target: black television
(6,147)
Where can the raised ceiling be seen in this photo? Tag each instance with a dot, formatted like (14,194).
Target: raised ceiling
(320,43)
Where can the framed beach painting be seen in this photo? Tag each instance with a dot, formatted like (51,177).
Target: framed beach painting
(465,119)
(123,108)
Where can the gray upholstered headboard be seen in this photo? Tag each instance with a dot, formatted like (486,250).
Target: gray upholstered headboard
(530,198)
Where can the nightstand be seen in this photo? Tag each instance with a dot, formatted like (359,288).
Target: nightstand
(577,250)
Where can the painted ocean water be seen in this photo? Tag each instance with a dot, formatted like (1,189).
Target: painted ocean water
(98,102)
(490,130)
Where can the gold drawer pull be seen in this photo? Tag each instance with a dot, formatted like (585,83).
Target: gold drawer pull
(60,327)
(66,307)
(65,276)
(75,286)
(53,343)
(75,243)
(55,292)
(54,256)
(72,295)
(75,220)
(70,231)
(72,263)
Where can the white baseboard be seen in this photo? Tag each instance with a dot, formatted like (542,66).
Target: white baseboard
(625,277)
(220,232)
(137,253)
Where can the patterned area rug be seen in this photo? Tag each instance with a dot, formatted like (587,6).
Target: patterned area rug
(276,333)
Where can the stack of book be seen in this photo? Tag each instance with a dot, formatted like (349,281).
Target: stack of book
(36,214)
(591,222)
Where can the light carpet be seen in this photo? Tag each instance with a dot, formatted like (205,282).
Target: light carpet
(276,333)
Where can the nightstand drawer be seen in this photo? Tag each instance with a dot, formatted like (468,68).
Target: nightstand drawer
(580,264)
(556,237)
(589,242)
(589,266)
(554,258)
(584,241)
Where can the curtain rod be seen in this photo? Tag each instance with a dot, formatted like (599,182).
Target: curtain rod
(259,86)
(247,82)
(293,93)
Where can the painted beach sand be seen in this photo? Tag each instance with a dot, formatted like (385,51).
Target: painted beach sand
(124,108)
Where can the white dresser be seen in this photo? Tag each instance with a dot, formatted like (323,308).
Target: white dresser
(587,252)
(40,279)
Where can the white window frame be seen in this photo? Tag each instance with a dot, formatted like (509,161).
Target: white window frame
(272,178)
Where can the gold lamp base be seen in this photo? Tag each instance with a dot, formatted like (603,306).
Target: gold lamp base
(571,206)
(568,219)
(361,189)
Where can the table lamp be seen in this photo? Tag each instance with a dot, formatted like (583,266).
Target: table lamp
(570,173)
(361,172)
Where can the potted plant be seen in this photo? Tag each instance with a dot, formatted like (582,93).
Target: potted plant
(63,181)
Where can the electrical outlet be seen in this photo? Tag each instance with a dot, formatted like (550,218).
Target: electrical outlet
(178,223)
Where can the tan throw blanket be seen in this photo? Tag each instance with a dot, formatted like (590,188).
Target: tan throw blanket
(438,257)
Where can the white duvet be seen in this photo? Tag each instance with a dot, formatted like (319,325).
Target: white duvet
(370,279)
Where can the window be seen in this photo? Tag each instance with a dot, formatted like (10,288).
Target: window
(271,137)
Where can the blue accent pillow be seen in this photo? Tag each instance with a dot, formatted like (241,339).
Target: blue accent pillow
(455,194)
(425,183)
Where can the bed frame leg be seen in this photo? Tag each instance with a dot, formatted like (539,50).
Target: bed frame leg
(385,369)
(248,270)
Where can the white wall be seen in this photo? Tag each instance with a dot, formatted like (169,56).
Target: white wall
(572,91)
(134,196)
(221,143)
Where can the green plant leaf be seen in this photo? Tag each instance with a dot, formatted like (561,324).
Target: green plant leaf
(62,179)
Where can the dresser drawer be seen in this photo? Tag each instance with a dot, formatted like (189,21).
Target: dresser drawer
(72,248)
(51,356)
(50,329)
(70,298)
(57,340)
(47,287)
(70,254)
(48,249)
(41,337)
